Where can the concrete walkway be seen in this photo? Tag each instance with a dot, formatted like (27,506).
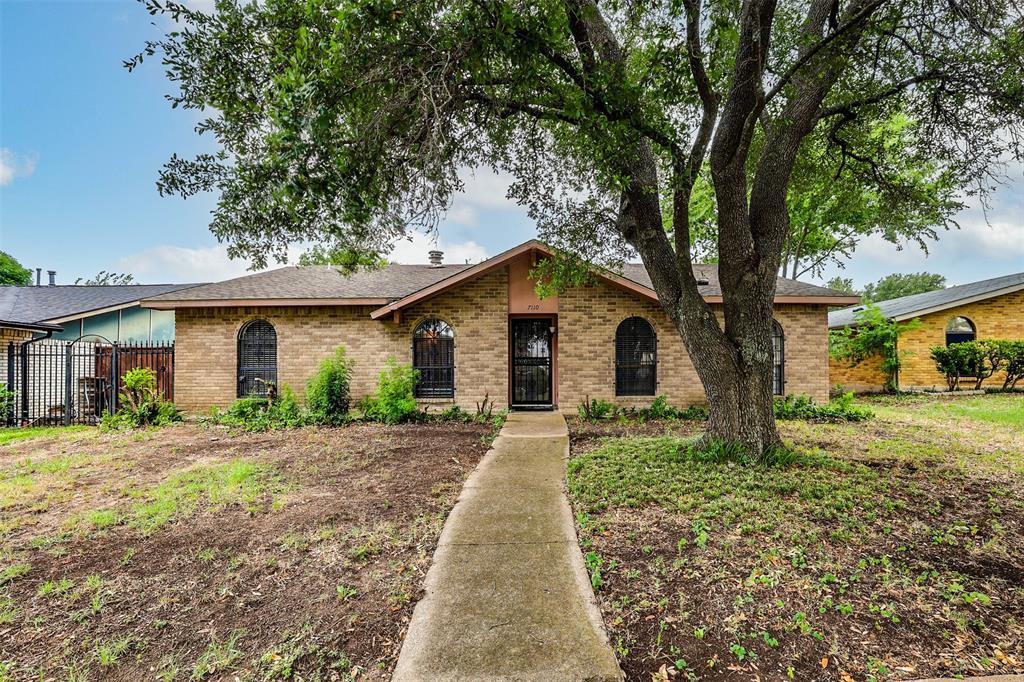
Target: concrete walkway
(507,596)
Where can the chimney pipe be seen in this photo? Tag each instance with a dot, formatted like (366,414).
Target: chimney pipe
(39,277)
(436,258)
(53,277)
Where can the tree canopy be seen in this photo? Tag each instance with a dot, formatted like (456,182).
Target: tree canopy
(13,273)
(898,284)
(349,122)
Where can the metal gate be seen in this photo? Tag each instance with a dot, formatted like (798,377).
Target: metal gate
(74,382)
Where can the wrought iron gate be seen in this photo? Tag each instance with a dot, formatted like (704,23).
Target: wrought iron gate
(75,382)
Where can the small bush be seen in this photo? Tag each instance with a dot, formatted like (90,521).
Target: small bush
(6,399)
(1013,352)
(256,413)
(596,410)
(327,393)
(141,404)
(394,401)
(839,409)
(979,360)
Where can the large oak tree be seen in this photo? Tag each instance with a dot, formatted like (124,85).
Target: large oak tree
(349,122)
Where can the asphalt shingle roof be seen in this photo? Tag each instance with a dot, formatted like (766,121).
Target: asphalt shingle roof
(319,281)
(29,305)
(908,306)
(396,281)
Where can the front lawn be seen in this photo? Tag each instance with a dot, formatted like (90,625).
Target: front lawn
(893,549)
(198,553)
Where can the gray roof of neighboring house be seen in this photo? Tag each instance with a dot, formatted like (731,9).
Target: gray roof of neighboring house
(396,281)
(39,304)
(907,307)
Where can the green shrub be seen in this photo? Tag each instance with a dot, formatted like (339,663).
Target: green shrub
(256,413)
(596,410)
(841,409)
(327,393)
(6,400)
(394,401)
(141,404)
(979,360)
(1013,353)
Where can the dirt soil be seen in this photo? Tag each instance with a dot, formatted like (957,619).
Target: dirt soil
(313,575)
(897,554)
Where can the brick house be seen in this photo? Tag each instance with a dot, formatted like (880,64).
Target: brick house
(472,330)
(989,309)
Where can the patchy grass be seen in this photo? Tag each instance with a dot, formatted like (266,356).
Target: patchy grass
(1004,409)
(11,435)
(198,553)
(892,549)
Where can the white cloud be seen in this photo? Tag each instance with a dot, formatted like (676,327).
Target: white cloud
(484,191)
(415,248)
(15,166)
(166,263)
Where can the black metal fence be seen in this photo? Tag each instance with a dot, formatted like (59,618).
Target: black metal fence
(74,382)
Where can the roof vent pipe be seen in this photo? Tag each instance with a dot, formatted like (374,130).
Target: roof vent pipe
(436,258)
(39,276)
(53,277)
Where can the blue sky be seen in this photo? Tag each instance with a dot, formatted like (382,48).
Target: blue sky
(81,141)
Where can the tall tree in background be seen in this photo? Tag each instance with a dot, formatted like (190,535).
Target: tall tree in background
(13,273)
(104,278)
(898,284)
(350,121)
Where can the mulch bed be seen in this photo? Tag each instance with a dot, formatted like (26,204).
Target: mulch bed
(256,591)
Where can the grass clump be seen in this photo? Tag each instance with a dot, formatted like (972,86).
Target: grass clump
(219,656)
(13,572)
(237,482)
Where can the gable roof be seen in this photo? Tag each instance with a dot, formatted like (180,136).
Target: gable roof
(55,304)
(396,286)
(907,307)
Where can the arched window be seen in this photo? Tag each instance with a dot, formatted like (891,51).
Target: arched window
(433,354)
(959,330)
(257,358)
(636,358)
(778,359)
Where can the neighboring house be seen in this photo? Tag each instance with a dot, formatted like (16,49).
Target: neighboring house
(37,361)
(989,309)
(70,311)
(472,331)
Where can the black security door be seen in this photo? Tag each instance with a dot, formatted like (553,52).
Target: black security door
(531,362)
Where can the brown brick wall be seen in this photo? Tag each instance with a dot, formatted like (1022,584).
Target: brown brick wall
(206,344)
(589,316)
(866,376)
(478,311)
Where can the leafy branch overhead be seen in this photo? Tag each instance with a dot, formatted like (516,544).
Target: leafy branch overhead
(348,123)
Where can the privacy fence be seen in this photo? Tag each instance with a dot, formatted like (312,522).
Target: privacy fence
(74,382)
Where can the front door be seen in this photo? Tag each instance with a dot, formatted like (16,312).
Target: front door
(531,362)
